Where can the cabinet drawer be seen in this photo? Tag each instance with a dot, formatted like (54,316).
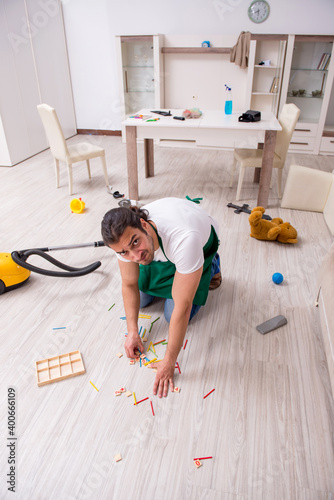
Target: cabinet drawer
(305,130)
(301,143)
(327,145)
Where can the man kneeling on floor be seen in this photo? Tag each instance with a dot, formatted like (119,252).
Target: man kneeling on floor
(167,249)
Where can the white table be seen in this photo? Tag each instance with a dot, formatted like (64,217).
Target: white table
(210,124)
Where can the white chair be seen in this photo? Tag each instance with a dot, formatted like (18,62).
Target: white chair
(68,153)
(253,157)
(312,190)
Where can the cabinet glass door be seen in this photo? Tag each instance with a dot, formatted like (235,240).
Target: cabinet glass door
(308,76)
(138,74)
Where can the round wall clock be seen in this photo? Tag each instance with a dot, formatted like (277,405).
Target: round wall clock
(258,11)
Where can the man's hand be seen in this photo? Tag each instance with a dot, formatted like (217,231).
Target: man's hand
(132,344)
(164,377)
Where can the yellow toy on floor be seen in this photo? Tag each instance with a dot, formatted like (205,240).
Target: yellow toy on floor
(271,230)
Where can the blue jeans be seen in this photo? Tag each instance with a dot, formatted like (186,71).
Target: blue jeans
(146,299)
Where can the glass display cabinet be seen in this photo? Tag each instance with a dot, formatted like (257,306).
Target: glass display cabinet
(308,84)
(308,78)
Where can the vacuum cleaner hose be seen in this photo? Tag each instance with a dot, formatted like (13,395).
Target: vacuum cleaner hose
(69,272)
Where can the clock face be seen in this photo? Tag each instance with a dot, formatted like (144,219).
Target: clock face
(258,11)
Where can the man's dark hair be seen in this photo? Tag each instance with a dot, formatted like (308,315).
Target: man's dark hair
(117,220)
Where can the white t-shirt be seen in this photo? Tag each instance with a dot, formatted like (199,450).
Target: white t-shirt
(184,228)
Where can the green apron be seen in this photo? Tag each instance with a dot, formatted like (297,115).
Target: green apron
(157,278)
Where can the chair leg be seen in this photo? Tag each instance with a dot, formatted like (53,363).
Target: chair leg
(105,173)
(241,178)
(233,171)
(70,178)
(88,168)
(56,162)
(279,182)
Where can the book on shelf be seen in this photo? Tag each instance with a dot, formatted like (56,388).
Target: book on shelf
(324,61)
(327,62)
(321,61)
(274,85)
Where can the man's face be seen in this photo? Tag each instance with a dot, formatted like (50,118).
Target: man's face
(136,246)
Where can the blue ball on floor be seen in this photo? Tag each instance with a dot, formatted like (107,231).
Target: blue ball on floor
(277,278)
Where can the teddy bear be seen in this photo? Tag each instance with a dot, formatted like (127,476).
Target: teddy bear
(271,230)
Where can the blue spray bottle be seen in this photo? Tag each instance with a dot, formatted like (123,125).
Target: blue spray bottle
(228,100)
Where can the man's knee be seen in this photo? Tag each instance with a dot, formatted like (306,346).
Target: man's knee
(168,310)
(145,299)
(169,307)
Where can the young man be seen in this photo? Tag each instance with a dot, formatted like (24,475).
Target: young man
(166,249)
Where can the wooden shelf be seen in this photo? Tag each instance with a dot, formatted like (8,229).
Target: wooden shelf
(137,38)
(267,67)
(314,38)
(268,37)
(196,50)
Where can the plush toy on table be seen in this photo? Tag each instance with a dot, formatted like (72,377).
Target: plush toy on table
(192,113)
(271,230)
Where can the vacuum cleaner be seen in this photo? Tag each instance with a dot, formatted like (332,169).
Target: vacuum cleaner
(15,270)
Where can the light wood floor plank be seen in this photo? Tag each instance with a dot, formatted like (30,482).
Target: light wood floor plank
(315,495)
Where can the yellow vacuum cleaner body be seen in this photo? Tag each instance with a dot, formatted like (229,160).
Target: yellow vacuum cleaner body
(11,274)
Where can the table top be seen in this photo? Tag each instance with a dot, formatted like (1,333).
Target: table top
(210,119)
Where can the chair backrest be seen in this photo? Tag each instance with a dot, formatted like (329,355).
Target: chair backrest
(53,131)
(288,119)
(307,189)
(312,190)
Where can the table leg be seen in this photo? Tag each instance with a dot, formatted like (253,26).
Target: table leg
(267,165)
(257,171)
(131,157)
(149,157)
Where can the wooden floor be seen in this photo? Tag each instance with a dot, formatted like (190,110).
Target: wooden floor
(269,424)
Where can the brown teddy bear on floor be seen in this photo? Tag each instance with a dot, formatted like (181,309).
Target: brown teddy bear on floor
(271,230)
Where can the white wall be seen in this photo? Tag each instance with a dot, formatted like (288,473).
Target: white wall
(91,26)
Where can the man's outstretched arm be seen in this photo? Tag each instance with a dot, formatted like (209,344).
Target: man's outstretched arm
(131,301)
(183,293)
